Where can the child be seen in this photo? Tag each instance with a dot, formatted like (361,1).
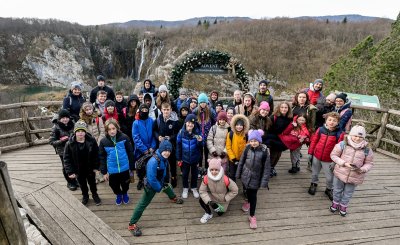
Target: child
(93,120)
(192,104)
(181,99)
(236,141)
(62,128)
(149,87)
(321,146)
(116,158)
(188,146)
(342,106)
(218,107)
(142,134)
(230,112)
(260,119)
(110,111)
(127,122)
(216,139)
(253,170)
(301,106)
(163,97)
(81,161)
(213,99)
(148,99)
(167,127)
(156,170)
(353,160)
(294,136)
(120,103)
(205,118)
(248,107)
(100,102)
(183,112)
(74,100)
(216,190)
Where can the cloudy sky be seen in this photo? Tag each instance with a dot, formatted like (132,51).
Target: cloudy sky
(107,11)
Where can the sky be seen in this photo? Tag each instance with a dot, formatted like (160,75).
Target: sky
(98,12)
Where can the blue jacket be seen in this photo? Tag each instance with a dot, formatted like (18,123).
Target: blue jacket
(116,157)
(156,172)
(187,146)
(142,134)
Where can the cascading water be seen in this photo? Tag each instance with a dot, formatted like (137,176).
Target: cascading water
(141,60)
(156,53)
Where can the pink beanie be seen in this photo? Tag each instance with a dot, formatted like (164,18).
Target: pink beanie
(256,135)
(214,163)
(264,106)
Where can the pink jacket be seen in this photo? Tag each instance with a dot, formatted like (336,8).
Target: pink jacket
(354,156)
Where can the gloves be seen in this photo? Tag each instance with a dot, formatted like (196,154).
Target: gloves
(214,154)
(223,155)
(216,206)
(174,182)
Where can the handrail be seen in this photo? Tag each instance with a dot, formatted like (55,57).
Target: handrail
(28,128)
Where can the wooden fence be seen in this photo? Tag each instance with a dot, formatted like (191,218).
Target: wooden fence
(377,134)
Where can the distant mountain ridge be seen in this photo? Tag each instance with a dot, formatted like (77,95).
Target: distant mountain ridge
(211,20)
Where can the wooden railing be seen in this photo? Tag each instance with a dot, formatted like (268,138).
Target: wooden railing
(377,134)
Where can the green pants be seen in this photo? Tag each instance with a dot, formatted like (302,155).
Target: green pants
(145,200)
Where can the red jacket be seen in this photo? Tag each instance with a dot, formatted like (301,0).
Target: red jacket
(323,142)
(107,116)
(291,136)
(314,96)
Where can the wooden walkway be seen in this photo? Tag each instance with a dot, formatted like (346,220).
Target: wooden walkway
(286,214)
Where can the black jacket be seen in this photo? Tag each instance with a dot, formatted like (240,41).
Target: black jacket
(110,93)
(60,130)
(73,104)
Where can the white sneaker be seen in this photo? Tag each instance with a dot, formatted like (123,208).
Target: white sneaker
(195,193)
(206,217)
(185,193)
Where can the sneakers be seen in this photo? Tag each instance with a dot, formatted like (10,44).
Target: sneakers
(206,217)
(334,207)
(140,185)
(253,222)
(342,210)
(185,193)
(294,170)
(96,199)
(85,200)
(246,206)
(177,200)
(71,186)
(118,200)
(195,193)
(312,189)
(125,198)
(135,230)
(329,193)
(273,173)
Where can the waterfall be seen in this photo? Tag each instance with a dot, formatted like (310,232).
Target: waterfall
(156,53)
(141,60)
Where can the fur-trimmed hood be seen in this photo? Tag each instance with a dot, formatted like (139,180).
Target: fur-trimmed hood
(234,120)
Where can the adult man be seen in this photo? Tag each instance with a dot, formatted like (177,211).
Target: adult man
(264,94)
(101,86)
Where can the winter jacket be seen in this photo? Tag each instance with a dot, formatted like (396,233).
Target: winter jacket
(204,127)
(121,107)
(156,172)
(279,124)
(188,147)
(322,108)
(216,189)
(126,122)
(168,128)
(74,165)
(313,95)
(95,125)
(73,104)
(153,110)
(152,90)
(99,107)
(259,122)
(291,136)
(235,147)
(265,97)
(251,170)
(356,156)
(58,131)
(242,109)
(309,110)
(110,93)
(116,157)
(107,115)
(142,134)
(323,141)
(216,139)
(345,113)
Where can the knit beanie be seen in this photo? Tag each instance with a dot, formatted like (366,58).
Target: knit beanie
(165,145)
(190,118)
(219,103)
(222,116)
(318,81)
(358,130)
(109,103)
(331,97)
(342,96)
(266,82)
(100,78)
(80,125)
(214,163)
(264,106)
(63,113)
(76,84)
(163,88)
(202,98)
(87,104)
(183,91)
(256,135)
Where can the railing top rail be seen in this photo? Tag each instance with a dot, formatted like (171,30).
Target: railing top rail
(30,104)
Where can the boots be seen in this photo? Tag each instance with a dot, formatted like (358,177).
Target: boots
(312,189)
(342,210)
(295,168)
(328,192)
(334,207)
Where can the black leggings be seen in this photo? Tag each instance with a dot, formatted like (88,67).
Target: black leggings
(119,182)
(251,195)
(90,179)
(207,208)
(203,150)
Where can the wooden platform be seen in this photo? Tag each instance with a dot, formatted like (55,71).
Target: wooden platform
(286,214)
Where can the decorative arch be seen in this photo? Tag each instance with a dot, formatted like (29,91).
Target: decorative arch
(213,57)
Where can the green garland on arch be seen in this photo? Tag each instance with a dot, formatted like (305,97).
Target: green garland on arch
(198,58)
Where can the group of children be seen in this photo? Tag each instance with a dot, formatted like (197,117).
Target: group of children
(244,142)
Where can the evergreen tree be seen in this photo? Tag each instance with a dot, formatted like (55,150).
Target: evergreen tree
(344,21)
(199,23)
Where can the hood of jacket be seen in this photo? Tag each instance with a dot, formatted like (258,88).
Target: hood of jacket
(153,102)
(234,120)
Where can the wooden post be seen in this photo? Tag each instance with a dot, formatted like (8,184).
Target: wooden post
(381,132)
(25,123)
(12,229)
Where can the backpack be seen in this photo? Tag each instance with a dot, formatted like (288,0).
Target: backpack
(337,135)
(141,164)
(226,180)
(343,145)
(231,136)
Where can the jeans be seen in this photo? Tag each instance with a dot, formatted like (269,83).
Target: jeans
(316,168)
(342,192)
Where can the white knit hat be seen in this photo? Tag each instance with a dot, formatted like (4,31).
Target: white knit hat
(358,130)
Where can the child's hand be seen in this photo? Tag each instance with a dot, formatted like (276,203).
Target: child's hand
(199,138)
(179,163)
(72,176)
(64,138)
(347,164)
(294,124)
(106,177)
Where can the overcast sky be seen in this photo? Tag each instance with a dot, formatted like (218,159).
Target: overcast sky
(95,12)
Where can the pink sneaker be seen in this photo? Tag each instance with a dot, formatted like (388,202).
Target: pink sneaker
(253,222)
(246,206)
